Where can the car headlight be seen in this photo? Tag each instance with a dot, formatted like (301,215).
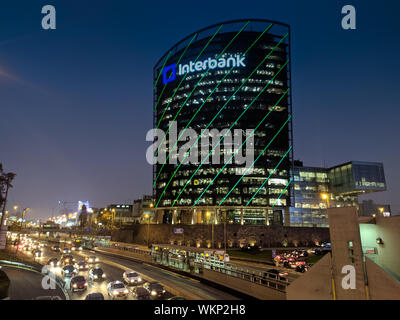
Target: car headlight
(97,259)
(74,285)
(85,284)
(153,292)
(139,279)
(163,291)
(126,291)
(104,275)
(95,276)
(115,292)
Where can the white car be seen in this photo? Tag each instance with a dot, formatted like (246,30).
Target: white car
(117,289)
(92,259)
(131,277)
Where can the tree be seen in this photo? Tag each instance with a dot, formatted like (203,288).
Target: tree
(5,184)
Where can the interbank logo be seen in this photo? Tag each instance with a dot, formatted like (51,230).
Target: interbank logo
(231,61)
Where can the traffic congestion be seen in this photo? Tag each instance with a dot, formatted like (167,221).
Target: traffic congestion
(87,277)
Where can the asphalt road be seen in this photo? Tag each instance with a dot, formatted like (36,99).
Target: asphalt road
(114,268)
(27,285)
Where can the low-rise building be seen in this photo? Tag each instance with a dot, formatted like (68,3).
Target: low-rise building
(316,188)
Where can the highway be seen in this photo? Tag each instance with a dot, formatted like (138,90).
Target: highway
(27,285)
(114,268)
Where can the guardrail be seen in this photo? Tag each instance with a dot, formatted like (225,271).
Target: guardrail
(14,264)
(258,279)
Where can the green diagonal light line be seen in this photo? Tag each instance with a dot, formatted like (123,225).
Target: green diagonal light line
(159,97)
(161,70)
(269,82)
(169,153)
(198,110)
(269,176)
(187,154)
(240,179)
(204,74)
(179,60)
(266,116)
(184,77)
(287,186)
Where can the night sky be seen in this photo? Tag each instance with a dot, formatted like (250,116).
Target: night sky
(76,102)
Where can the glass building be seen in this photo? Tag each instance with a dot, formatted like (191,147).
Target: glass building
(223,102)
(341,184)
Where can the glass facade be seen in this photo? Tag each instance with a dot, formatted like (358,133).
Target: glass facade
(358,176)
(248,94)
(341,184)
(309,209)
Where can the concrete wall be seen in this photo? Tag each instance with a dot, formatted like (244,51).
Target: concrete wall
(201,235)
(315,284)
(380,284)
(344,228)
(389,231)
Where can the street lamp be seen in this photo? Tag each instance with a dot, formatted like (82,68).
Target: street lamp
(325,196)
(147,216)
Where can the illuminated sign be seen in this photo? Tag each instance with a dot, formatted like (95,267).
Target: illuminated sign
(229,61)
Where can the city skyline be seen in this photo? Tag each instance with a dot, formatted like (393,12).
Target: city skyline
(80,103)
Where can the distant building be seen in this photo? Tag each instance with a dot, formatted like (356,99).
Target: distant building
(143,209)
(122,213)
(369,208)
(341,184)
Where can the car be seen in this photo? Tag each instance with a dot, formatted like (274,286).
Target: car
(155,289)
(177,298)
(56,248)
(96,273)
(67,259)
(69,271)
(301,268)
(276,274)
(37,253)
(131,277)
(54,262)
(76,248)
(95,296)
(117,289)
(140,293)
(91,259)
(78,283)
(82,265)
(322,251)
(48,298)
(66,250)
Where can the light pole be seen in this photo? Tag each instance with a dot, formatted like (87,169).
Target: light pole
(147,216)
(208,215)
(325,196)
